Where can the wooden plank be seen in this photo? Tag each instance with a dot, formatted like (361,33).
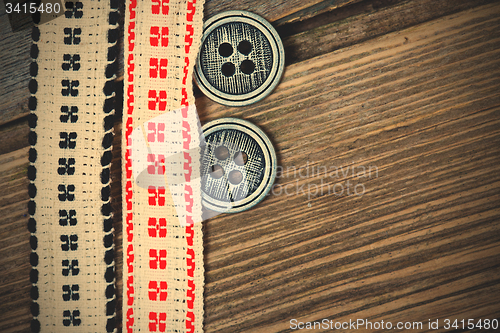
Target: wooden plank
(421,243)
(281,11)
(14,135)
(14,62)
(363,21)
(14,247)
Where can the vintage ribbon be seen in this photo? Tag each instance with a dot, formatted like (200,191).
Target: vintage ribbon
(71,121)
(163,243)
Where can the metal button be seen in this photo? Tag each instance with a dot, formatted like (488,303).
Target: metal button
(238,165)
(241,58)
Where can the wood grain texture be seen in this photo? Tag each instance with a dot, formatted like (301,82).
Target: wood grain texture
(15,46)
(354,24)
(421,106)
(279,11)
(14,62)
(14,244)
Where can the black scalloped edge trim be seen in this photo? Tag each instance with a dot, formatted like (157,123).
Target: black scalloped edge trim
(107,142)
(32,138)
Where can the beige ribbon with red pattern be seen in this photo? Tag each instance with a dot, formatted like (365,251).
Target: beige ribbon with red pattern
(162,243)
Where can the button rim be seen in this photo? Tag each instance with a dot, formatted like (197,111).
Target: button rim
(248,202)
(267,87)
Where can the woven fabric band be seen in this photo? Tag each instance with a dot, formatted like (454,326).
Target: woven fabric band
(162,243)
(71,120)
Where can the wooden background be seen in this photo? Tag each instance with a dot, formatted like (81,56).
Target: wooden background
(409,88)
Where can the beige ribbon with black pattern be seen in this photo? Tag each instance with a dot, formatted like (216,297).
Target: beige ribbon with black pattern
(71,120)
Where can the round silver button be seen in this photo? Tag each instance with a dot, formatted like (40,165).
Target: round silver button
(241,58)
(238,165)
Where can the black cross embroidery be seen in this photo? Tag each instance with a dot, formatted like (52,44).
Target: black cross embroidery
(72,36)
(71,61)
(73,9)
(71,292)
(71,318)
(73,267)
(67,216)
(69,242)
(66,192)
(68,140)
(69,114)
(66,166)
(69,88)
